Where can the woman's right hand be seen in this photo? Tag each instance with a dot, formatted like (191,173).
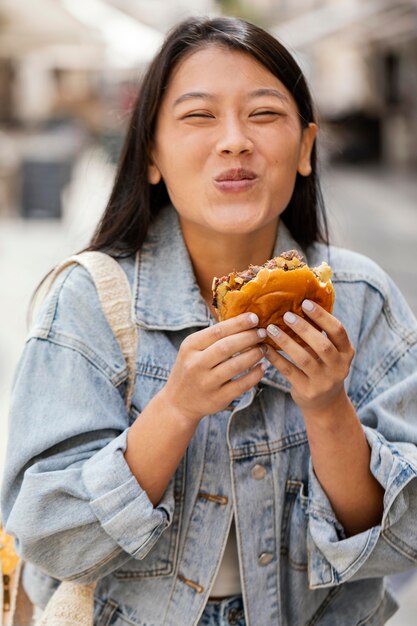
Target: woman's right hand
(201,382)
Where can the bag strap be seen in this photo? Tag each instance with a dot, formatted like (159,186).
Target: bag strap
(72,603)
(115,297)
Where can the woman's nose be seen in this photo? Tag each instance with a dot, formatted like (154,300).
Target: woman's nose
(234,139)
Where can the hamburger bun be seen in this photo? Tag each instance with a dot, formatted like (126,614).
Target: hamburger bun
(270,290)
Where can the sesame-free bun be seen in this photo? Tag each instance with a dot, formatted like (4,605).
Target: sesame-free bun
(273,292)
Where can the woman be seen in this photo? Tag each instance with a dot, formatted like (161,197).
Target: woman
(249,485)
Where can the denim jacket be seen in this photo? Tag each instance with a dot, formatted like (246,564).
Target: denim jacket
(78,513)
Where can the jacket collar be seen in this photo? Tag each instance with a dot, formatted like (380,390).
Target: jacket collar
(165,292)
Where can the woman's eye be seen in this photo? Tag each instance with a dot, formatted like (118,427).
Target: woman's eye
(259,113)
(206,115)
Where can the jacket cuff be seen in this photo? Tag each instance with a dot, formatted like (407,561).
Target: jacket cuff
(120,504)
(335,558)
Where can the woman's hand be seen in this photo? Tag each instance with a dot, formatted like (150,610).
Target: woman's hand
(319,368)
(201,382)
(339,450)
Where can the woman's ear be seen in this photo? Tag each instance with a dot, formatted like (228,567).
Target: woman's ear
(154,175)
(307,143)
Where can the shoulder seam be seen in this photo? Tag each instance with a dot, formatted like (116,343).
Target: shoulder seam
(46,328)
(71,343)
(344,276)
(409,336)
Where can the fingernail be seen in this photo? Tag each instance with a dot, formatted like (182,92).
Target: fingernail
(307,305)
(290,317)
(261,332)
(253,318)
(273,330)
(264,366)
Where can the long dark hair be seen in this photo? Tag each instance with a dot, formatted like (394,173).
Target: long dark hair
(134,202)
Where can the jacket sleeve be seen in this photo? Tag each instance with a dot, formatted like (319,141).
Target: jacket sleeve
(69,497)
(383,389)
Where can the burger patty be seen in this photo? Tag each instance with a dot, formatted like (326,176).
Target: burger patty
(289,260)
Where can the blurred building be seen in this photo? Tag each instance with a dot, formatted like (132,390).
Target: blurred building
(361,59)
(69,71)
(162,14)
(73,66)
(54,54)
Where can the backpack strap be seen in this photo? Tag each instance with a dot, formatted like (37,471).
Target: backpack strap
(115,297)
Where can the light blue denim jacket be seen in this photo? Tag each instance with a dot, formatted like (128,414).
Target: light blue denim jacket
(78,513)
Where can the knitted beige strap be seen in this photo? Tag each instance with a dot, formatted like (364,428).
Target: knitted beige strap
(116,300)
(72,604)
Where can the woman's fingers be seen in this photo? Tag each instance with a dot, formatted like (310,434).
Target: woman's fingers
(207,337)
(333,328)
(238,364)
(234,388)
(305,359)
(317,344)
(290,371)
(328,346)
(226,347)
(195,386)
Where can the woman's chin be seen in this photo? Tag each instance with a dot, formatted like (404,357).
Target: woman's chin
(237,222)
(225,219)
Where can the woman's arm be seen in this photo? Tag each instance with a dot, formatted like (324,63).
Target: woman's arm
(341,459)
(199,384)
(339,450)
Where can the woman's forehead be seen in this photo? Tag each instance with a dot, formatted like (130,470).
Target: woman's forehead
(214,65)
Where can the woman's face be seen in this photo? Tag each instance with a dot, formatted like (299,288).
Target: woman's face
(228,142)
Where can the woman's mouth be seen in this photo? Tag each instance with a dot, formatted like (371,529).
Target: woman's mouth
(234,180)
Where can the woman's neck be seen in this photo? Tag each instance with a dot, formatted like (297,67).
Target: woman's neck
(218,255)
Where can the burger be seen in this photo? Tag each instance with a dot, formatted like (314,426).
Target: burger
(272,289)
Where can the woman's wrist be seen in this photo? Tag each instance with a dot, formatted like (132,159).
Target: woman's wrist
(330,414)
(333,425)
(165,404)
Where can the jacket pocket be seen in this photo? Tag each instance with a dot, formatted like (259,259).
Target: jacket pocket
(294,525)
(162,558)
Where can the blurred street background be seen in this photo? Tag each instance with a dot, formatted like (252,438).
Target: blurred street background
(69,73)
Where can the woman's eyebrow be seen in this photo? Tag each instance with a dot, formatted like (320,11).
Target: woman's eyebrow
(202,95)
(193,94)
(268,91)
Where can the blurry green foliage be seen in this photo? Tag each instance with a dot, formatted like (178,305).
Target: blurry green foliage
(237,8)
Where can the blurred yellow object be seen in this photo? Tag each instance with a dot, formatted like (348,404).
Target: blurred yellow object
(8,556)
(9,562)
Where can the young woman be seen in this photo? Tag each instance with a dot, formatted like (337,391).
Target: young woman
(249,485)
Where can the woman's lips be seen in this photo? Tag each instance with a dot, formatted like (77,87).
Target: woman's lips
(235,185)
(235,179)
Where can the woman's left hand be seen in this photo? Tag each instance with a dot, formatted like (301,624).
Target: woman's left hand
(319,368)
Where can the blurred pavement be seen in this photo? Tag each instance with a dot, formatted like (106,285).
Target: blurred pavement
(375,212)
(30,248)
(371,211)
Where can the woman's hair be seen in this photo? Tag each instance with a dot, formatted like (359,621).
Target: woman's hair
(134,202)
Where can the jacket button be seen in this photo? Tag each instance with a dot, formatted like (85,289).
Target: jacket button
(265,558)
(258,472)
